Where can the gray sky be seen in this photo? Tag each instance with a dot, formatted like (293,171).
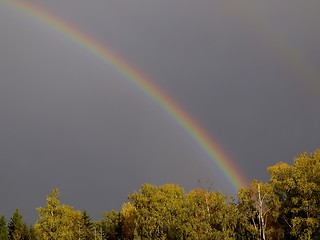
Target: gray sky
(248,72)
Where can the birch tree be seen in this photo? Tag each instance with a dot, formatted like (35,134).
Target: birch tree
(57,221)
(260,205)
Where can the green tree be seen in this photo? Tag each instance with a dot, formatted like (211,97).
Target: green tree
(18,230)
(33,234)
(112,225)
(120,225)
(99,230)
(86,227)
(298,189)
(57,221)
(3,228)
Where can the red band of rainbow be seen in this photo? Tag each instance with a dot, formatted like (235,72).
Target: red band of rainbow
(198,134)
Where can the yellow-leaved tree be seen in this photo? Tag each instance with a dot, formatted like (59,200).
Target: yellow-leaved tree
(298,189)
(57,221)
(259,206)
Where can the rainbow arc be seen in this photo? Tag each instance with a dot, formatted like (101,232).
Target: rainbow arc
(149,87)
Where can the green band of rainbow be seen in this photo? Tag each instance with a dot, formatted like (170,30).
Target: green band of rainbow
(285,51)
(197,133)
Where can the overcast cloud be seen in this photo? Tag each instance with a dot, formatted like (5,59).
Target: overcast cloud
(248,72)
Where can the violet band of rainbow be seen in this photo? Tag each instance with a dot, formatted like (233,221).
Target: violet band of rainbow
(185,120)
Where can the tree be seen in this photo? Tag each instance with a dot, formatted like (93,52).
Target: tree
(120,225)
(18,230)
(298,189)
(211,217)
(33,234)
(99,230)
(112,225)
(3,228)
(129,216)
(86,227)
(259,206)
(158,211)
(57,221)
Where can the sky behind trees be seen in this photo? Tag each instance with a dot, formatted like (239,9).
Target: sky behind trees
(249,73)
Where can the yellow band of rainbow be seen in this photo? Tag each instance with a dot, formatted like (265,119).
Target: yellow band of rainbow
(198,134)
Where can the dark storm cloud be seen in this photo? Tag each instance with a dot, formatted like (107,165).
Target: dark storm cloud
(69,120)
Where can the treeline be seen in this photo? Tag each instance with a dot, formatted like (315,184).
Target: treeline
(287,207)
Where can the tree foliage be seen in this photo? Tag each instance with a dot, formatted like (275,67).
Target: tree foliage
(286,207)
(57,221)
(158,211)
(3,228)
(86,227)
(166,212)
(260,208)
(298,188)
(210,216)
(18,229)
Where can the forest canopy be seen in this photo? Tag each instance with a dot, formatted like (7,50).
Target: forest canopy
(285,207)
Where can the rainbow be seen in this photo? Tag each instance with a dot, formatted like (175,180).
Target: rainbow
(185,120)
(274,40)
